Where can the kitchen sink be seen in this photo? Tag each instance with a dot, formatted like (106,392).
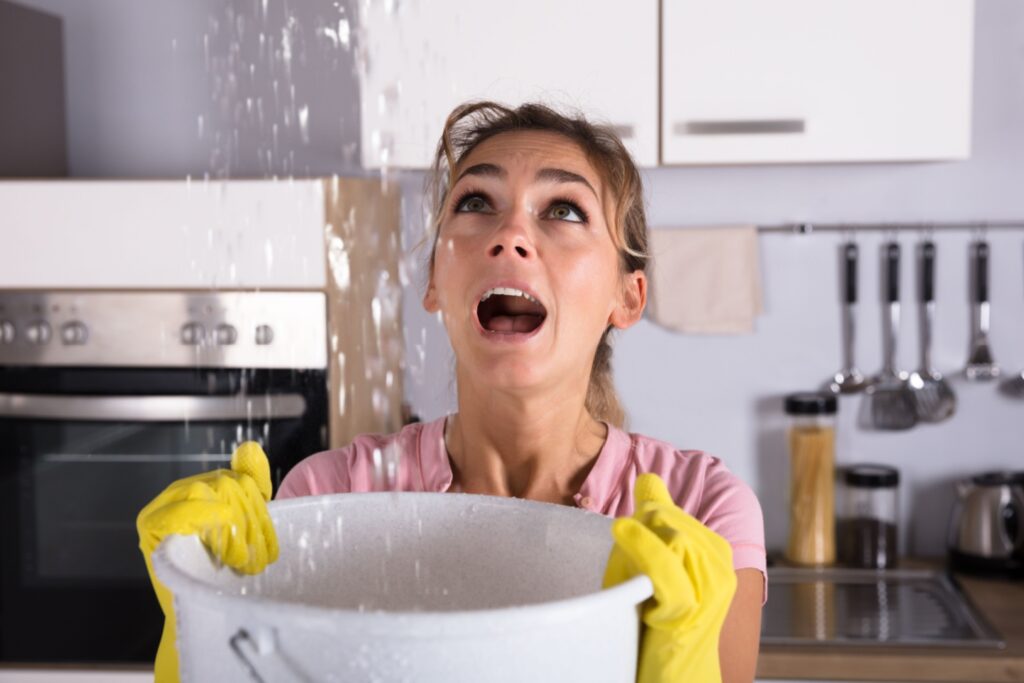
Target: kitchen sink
(902,607)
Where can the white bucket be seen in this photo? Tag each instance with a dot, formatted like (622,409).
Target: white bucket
(410,587)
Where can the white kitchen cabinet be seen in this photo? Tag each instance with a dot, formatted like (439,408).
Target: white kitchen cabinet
(421,58)
(162,234)
(747,81)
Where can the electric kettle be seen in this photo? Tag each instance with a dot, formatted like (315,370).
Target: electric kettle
(986,531)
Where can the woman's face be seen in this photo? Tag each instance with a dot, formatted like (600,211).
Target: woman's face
(526,275)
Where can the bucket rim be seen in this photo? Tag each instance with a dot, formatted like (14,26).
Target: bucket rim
(418,624)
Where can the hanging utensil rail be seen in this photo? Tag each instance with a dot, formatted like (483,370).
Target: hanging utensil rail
(811,227)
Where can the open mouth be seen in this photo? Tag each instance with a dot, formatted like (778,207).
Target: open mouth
(507,310)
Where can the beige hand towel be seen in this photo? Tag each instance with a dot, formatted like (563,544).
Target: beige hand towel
(705,280)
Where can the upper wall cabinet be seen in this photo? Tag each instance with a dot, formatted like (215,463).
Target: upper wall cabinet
(420,58)
(748,81)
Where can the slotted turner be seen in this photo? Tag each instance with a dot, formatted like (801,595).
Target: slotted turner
(933,397)
(891,404)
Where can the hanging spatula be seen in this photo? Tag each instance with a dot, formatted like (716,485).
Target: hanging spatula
(933,396)
(891,402)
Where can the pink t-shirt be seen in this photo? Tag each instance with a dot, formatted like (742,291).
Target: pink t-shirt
(699,483)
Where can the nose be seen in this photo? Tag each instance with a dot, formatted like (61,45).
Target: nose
(512,238)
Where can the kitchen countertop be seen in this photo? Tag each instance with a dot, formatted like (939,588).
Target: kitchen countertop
(1000,602)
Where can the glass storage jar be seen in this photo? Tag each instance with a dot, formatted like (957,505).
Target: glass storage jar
(812,439)
(867,524)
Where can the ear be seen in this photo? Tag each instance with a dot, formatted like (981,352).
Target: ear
(634,299)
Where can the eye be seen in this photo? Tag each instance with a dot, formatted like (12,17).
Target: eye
(567,211)
(472,203)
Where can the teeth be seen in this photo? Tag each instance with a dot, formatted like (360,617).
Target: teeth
(507,291)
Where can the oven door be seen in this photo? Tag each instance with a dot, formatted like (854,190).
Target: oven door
(80,457)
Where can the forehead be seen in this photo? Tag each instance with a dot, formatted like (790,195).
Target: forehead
(529,150)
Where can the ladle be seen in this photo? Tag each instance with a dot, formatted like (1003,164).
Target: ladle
(849,379)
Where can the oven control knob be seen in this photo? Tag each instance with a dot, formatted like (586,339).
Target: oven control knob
(7,332)
(38,332)
(74,333)
(264,334)
(225,334)
(192,334)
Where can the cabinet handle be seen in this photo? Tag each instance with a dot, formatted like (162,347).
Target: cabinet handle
(739,127)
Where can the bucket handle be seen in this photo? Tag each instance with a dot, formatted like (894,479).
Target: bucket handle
(264,647)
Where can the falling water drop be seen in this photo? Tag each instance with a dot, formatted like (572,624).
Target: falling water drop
(304,123)
(344,34)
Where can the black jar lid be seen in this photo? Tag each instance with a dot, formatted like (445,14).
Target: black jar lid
(871,476)
(811,403)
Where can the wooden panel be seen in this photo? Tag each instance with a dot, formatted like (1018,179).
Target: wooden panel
(364,306)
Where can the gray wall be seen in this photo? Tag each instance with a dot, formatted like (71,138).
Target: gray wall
(32,126)
(140,75)
(168,88)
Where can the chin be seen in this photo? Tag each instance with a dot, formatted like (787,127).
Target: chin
(508,374)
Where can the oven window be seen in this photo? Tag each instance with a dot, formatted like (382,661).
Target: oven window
(76,470)
(85,484)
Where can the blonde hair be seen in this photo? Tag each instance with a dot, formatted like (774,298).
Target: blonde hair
(470,124)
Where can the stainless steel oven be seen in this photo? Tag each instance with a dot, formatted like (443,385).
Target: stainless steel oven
(105,398)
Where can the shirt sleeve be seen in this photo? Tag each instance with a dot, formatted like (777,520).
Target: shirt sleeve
(320,473)
(730,508)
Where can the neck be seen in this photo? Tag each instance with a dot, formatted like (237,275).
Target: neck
(539,447)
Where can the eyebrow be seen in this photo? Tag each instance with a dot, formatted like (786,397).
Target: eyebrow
(560,175)
(557,175)
(487,170)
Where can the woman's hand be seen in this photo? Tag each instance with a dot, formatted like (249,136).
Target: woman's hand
(694,582)
(227,509)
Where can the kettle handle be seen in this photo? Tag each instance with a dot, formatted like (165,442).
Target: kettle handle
(1013,520)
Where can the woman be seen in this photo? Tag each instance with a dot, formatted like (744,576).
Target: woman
(539,253)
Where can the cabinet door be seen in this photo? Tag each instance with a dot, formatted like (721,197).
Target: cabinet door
(814,80)
(423,57)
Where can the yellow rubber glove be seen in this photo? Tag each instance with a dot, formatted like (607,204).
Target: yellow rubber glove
(228,510)
(694,581)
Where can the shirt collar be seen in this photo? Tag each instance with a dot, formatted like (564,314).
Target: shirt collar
(435,468)
(593,495)
(606,472)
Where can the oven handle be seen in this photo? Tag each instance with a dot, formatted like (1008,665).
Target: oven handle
(151,408)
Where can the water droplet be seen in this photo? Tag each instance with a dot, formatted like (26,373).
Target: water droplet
(304,123)
(337,258)
(344,34)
